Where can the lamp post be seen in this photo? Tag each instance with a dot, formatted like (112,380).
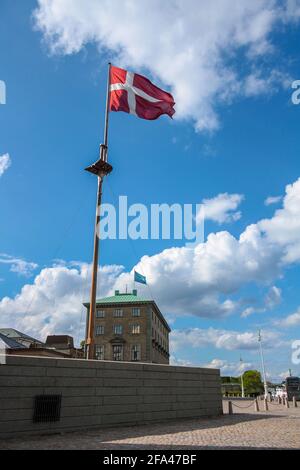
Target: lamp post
(242,378)
(263,364)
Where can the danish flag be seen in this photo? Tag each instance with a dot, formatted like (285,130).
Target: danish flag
(135,94)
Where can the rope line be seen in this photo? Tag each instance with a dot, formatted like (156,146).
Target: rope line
(243,407)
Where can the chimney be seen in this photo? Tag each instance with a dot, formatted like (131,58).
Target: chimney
(134,292)
(117,292)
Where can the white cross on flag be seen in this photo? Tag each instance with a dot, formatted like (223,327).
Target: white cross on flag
(135,94)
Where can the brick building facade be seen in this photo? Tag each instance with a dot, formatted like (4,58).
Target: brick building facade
(130,328)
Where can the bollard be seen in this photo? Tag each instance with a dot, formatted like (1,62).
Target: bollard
(294,402)
(279,401)
(266,404)
(256,407)
(287,403)
(230,410)
(283,401)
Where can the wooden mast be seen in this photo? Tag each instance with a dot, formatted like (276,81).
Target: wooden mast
(101,168)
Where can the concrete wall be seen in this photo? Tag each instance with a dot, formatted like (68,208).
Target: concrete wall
(97,394)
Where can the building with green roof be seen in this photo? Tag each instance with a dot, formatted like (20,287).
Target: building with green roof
(129,327)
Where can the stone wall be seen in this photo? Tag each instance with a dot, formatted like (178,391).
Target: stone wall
(102,393)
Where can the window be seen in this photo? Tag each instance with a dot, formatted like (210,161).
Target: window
(135,330)
(118,312)
(136,352)
(136,312)
(100,313)
(118,329)
(99,352)
(117,352)
(99,330)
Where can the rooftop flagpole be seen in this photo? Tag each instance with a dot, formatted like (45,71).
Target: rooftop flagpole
(100,168)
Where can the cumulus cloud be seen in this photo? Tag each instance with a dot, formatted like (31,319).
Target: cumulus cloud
(53,303)
(282,230)
(292,12)
(226,367)
(256,84)
(222,208)
(199,280)
(273,297)
(221,339)
(271,300)
(229,368)
(272,200)
(18,265)
(5,163)
(175,361)
(291,320)
(188,45)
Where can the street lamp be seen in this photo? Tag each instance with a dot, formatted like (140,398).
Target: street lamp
(263,365)
(242,378)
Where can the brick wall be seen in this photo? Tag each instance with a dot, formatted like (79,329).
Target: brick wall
(98,394)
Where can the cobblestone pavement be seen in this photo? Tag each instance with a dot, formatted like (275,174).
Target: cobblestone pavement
(277,428)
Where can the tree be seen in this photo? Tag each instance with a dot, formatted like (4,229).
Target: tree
(252,382)
(229,379)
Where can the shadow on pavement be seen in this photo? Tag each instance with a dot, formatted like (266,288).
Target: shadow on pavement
(103,438)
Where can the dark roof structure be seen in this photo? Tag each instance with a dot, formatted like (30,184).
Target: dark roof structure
(10,334)
(11,343)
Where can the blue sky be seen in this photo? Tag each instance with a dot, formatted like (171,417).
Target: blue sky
(236,132)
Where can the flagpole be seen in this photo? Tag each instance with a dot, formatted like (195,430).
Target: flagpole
(101,168)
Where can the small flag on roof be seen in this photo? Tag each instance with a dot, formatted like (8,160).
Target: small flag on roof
(139,278)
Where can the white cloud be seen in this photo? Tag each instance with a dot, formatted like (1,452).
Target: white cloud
(282,230)
(229,368)
(256,84)
(271,300)
(226,367)
(186,44)
(221,339)
(292,10)
(198,280)
(291,320)
(272,200)
(273,297)
(18,265)
(53,303)
(222,208)
(174,361)
(5,163)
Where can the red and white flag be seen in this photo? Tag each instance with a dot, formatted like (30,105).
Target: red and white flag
(135,94)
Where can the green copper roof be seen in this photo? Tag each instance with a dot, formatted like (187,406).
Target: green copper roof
(130,298)
(121,298)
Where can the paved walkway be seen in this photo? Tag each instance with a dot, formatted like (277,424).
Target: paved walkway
(278,428)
